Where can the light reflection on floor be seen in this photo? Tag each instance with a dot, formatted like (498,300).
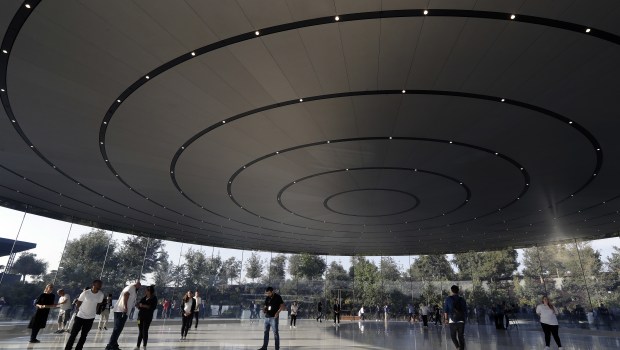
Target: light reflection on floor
(311,335)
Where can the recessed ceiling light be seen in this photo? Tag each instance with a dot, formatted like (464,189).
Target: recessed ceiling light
(425,12)
(497,154)
(327,141)
(301,100)
(13,120)
(587,30)
(347,169)
(223,122)
(277,152)
(450,141)
(403,91)
(257,32)
(5,51)
(193,53)
(570,122)
(147,77)
(27,6)
(598,149)
(119,101)
(390,137)
(101,143)
(2,90)
(513,16)
(337,18)
(105,122)
(503,100)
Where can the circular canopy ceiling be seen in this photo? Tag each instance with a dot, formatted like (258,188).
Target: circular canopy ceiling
(331,127)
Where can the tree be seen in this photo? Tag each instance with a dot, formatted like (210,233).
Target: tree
(231,269)
(367,281)
(28,264)
(277,268)
(139,254)
(489,266)
(254,266)
(163,274)
(431,267)
(196,269)
(306,265)
(336,272)
(389,269)
(84,259)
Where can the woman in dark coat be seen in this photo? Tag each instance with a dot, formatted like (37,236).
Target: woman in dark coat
(146,306)
(43,304)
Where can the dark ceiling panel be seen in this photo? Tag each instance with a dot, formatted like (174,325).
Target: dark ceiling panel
(281,127)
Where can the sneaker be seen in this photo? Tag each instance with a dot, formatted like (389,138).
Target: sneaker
(34,341)
(106,328)
(294,326)
(290,327)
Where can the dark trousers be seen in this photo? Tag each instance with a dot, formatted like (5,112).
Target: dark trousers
(425,320)
(457,333)
(197,316)
(186,325)
(79,324)
(293,320)
(336,317)
(320,316)
(271,323)
(119,323)
(34,333)
(550,329)
(143,330)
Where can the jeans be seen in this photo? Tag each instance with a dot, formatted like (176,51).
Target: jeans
(293,320)
(119,323)
(271,322)
(425,320)
(197,316)
(79,324)
(103,321)
(548,330)
(457,332)
(143,330)
(186,324)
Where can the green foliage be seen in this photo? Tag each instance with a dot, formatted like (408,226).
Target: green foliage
(277,268)
(306,265)
(28,265)
(431,267)
(367,281)
(136,252)
(231,269)
(196,268)
(487,266)
(254,266)
(390,271)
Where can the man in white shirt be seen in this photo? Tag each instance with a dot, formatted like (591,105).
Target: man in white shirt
(126,301)
(86,310)
(64,303)
(197,310)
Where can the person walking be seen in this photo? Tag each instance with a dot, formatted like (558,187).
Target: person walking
(455,309)
(187,311)
(64,303)
(294,309)
(146,307)
(362,313)
(336,312)
(86,310)
(319,309)
(424,312)
(549,321)
(197,310)
(105,312)
(272,308)
(42,305)
(126,301)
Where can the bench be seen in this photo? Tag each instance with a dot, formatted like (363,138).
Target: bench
(349,318)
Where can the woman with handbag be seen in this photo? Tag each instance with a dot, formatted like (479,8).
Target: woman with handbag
(187,308)
(43,305)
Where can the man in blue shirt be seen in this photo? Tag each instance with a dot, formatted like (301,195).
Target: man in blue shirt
(455,309)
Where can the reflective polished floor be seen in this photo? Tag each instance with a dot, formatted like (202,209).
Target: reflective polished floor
(312,335)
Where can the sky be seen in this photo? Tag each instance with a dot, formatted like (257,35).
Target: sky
(50,236)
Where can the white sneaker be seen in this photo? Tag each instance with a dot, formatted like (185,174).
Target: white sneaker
(296,327)
(289,327)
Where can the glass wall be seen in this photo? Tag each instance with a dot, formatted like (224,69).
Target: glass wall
(501,288)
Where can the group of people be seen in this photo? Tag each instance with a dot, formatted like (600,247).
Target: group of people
(90,303)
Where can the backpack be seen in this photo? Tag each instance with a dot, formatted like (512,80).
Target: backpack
(458,309)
